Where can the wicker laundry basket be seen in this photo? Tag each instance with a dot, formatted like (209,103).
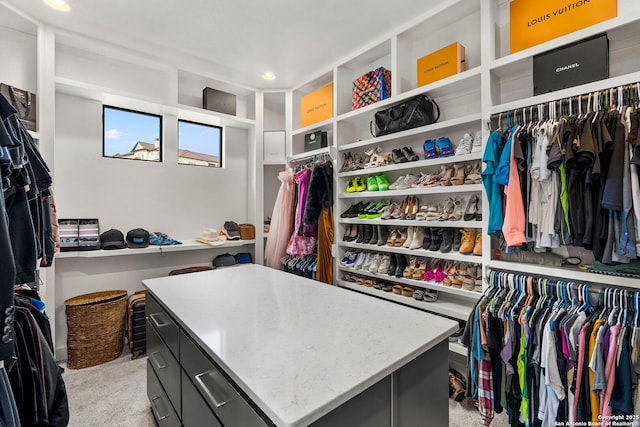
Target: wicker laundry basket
(247,231)
(95,328)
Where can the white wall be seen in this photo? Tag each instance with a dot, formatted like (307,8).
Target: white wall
(180,200)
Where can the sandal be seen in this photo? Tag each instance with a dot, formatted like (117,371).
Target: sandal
(422,213)
(445,175)
(456,212)
(459,176)
(347,162)
(401,238)
(433,212)
(474,174)
(397,289)
(430,295)
(447,209)
(471,209)
(410,268)
(412,209)
(429,274)
(387,287)
(408,291)
(418,294)
(418,272)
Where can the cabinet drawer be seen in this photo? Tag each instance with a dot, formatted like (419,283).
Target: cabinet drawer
(225,401)
(195,411)
(160,406)
(165,366)
(163,323)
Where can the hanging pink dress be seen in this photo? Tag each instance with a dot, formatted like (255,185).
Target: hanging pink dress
(303,241)
(280,227)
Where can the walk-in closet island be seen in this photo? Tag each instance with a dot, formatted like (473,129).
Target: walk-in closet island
(252,346)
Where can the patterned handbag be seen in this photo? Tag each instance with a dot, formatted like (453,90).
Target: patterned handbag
(371,87)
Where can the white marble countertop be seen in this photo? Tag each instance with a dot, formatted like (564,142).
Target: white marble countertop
(298,348)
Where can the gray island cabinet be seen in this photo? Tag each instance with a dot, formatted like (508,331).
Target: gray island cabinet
(251,346)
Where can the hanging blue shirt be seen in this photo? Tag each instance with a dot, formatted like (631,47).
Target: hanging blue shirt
(491,156)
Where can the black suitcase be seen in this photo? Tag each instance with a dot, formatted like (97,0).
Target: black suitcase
(136,325)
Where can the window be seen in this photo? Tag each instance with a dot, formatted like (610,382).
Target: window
(199,144)
(128,134)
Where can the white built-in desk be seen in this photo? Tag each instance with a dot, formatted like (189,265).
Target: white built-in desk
(294,351)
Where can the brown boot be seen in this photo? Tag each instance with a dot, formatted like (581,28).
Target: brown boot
(477,248)
(457,386)
(467,241)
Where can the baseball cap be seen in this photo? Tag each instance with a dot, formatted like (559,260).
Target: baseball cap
(232,230)
(112,239)
(138,238)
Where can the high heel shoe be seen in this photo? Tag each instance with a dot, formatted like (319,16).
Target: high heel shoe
(410,268)
(404,209)
(412,209)
(401,239)
(418,273)
(456,212)
(474,175)
(429,273)
(471,209)
(447,209)
(445,175)
(440,274)
(347,162)
(459,174)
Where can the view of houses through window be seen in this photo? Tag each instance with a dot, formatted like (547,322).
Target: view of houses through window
(131,134)
(199,144)
(135,135)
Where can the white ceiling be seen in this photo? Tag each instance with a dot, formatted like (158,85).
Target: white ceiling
(237,39)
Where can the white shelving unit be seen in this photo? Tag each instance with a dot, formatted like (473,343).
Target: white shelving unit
(187,245)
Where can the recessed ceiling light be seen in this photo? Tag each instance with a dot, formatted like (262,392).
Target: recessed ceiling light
(268,75)
(58,5)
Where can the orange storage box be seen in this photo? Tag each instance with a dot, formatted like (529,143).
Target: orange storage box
(442,63)
(316,106)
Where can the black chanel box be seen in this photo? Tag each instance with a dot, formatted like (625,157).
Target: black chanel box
(577,63)
(315,140)
(217,100)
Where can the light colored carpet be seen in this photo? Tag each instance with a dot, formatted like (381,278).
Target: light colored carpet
(115,395)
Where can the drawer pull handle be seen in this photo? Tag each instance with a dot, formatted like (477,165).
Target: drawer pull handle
(207,390)
(159,364)
(155,321)
(155,409)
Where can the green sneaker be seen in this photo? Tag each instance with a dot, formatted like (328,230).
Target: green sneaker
(363,213)
(372,183)
(383,182)
(378,210)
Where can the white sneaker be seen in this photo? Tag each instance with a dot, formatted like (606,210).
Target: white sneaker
(464,146)
(408,181)
(375,263)
(368,260)
(359,260)
(394,186)
(384,265)
(476,147)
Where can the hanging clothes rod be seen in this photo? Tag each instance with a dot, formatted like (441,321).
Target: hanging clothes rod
(613,97)
(313,158)
(598,287)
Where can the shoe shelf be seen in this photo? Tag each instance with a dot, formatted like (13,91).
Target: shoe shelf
(463,293)
(401,138)
(454,256)
(458,348)
(413,165)
(412,223)
(465,188)
(446,305)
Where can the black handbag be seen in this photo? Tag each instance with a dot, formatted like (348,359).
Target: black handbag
(24,102)
(412,113)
